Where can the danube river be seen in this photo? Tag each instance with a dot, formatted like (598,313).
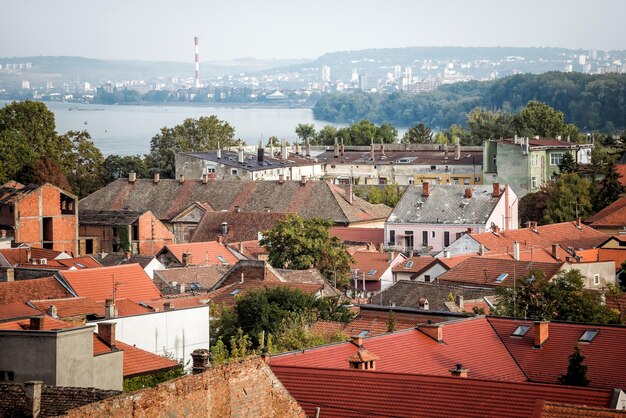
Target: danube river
(127,130)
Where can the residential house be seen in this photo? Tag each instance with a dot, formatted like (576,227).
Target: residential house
(372,270)
(196,253)
(177,280)
(24,263)
(149,263)
(528,164)
(184,224)
(40,216)
(611,220)
(429,218)
(236,226)
(139,232)
(360,238)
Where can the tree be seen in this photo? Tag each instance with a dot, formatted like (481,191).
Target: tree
(299,243)
(391,321)
(609,189)
(84,166)
(567,199)
(532,206)
(326,136)
(568,164)
(538,118)
(305,131)
(418,134)
(486,124)
(576,371)
(118,166)
(364,132)
(44,170)
(202,134)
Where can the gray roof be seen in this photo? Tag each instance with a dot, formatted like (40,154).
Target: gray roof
(408,293)
(115,259)
(445,204)
(251,163)
(108,217)
(167,198)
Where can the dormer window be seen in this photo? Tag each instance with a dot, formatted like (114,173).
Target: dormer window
(520,331)
(588,335)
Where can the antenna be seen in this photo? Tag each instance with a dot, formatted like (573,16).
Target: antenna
(195,40)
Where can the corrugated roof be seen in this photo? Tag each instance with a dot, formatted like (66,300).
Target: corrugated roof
(471,342)
(603,356)
(25,290)
(129,280)
(366,393)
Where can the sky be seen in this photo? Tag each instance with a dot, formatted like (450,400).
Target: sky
(163,30)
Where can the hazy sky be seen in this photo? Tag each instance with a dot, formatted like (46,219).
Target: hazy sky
(164,30)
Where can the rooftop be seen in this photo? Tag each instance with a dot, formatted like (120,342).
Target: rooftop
(251,163)
(202,253)
(372,264)
(613,215)
(359,235)
(241,226)
(415,157)
(25,290)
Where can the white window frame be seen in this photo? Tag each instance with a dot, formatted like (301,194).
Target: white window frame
(596,279)
(234,171)
(556,158)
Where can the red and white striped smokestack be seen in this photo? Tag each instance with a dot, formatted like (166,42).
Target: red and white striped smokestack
(195,40)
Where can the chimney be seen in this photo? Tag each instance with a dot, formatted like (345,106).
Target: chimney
(10,274)
(459,301)
(515,139)
(211,176)
(237,208)
(205,178)
(481,250)
(187,259)
(349,194)
(181,178)
(496,190)
(37,323)
(362,360)
(425,189)
(241,247)
(260,153)
(392,256)
(372,149)
(200,359)
(219,152)
(307,147)
(168,306)
(240,156)
(32,398)
(459,371)
(342,149)
(540,329)
(457,150)
(109,309)
(516,250)
(445,151)
(423,303)
(446,254)
(555,254)
(241,280)
(558,137)
(283,150)
(157,177)
(357,340)
(434,331)
(52,311)
(180,288)
(132,177)
(297,148)
(281,178)
(578,224)
(106,332)
(303,179)
(336,148)
(382,147)
(224,228)
(220,239)
(468,193)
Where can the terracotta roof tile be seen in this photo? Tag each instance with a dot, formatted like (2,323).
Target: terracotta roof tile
(130,281)
(179,302)
(200,277)
(559,410)
(372,264)
(242,226)
(602,355)
(361,393)
(612,215)
(138,361)
(471,342)
(49,324)
(17,310)
(83,306)
(24,255)
(249,249)
(413,264)
(358,235)
(327,327)
(25,290)
(202,253)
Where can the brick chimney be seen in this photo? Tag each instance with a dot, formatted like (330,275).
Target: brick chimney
(540,329)
(459,371)
(342,149)
(468,193)
(132,177)
(425,189)
(32,398)
(106,332)
(434,331)
(362,360)
(578,223)
(496,190)
(392,256)
(555,253)
(459,301)
(157,177)
(357,340)
(37,323)
(187,259)
(200,359)
(168,306)
(109,309)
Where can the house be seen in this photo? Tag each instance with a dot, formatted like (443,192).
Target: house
(197,253)
(403,164)
(413,267)
(372,270)
(528,164)
(168,198)
(261,164)
(40,216)
(177,280)
(139,232)
(611,220)
(25,290)
(235,226)
(80,310)
(429,218)
(360,238)
(147,262)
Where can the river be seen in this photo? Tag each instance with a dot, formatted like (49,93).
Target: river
(127,129)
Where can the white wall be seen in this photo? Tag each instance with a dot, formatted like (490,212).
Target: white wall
(386,279)
(178,332)
(435,242)
(604,269)
(153,265)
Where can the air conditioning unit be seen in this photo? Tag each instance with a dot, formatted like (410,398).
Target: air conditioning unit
(43,261)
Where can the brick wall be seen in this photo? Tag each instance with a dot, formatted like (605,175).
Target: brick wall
(244,389)
(153,235)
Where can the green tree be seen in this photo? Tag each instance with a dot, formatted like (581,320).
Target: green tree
(306,132)
(326,136)
(609,189)
(84,166)
(567,199)
(299,243)
(568,164)
(118,166)
(364,132)
(44,170)
(418,134)
(202,134)
(532,206)
(486,124)
(391,321)
(538,118)
(576,371)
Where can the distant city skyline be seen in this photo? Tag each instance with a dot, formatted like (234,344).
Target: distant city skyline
(163,30)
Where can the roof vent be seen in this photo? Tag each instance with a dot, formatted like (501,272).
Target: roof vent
(459,371)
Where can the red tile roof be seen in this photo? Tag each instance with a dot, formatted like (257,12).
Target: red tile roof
(82,306)
(451,262)
(538,254)
(417,264)
(558,410)
(370,262)
(376,322)
(484,271)
(17,310)
(179,302)
(25,290)
(612,215)
(364,393)
(471,342)
(603,356)
(20,255)
(49,324)
(202,253)
(129,280)
(366,235)
(327,327)
(79,262)
(565,234)
(242,226)
(621,170)
(249,249)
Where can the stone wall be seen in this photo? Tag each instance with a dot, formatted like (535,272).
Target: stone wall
(244,389)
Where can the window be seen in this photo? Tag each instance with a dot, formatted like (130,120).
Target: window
(455,180)
(234,172)
(410,181)
(466,181)
(6,376)
(425,238)
(501,277)
(555,158)
(534,160)
(235,292)
(392,237)
(520,331)
(371,272)
(364,333)
(210,170)
(446,238)
(596,279)
(588,335)
(433,234)
(222,259)
(427,277)
(533,183)
(409,264)
(433,167)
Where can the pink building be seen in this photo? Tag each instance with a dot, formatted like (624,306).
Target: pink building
(430,218)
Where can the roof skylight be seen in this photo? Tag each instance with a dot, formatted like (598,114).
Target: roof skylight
(520,331)
(409,265)
(588,335)
(501,277)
